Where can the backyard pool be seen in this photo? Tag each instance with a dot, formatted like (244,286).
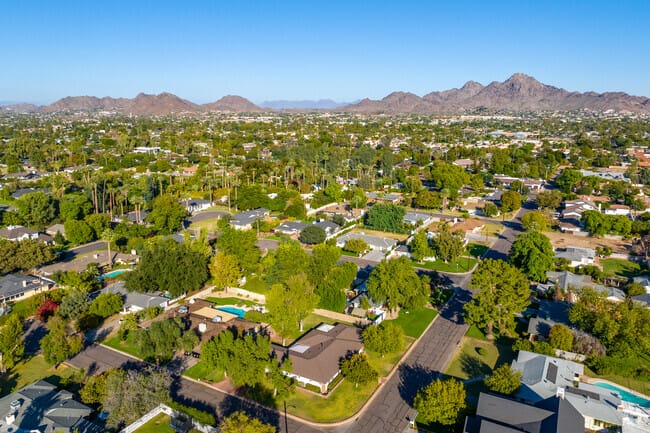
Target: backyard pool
(625,395)
(113,274)
(233,310)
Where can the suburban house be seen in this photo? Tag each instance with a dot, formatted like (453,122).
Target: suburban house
(290,228)
(329,227)
(245,220)
(618,209)
(135,301)
(196,205)
(573,209)
(374,242)
(465,163)
(384,198)
(18,233)
(544,377)
(14,287)
(539,328)
(417,218)
(533,184)
(317,355)
(502,415)
(39,407)
(568,281)
(79,264)
(54,229)
(576,256)
(23,191)
(210,321)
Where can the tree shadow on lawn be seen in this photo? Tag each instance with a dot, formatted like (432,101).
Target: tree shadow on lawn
(473,367)
(412,379)
(231,404)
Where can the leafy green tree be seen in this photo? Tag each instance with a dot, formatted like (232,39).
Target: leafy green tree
(224,270)
(94,390)
(356,245)
(449,245)
(78,232)
(420,247)
(36,209)
(106,305)
(74,207)
(357,198)
(57,346)
(549,199)
(504,380)
(331,290)
(511,201)
(99,222)
(442,401)
(535,220)
(428,200)
(358,370)
(568,179)
(239,422)
(167,215)
(242,245)
(159,265)
(449,177)
(532,252)
(23,255)
(130,394)
(383,338)
(312,235)
(74,304)
(324,259)
(490,210)
(503,292)
(12,346)
(396,284)
(287,260)
(290,303)
(560,337)
(386,217)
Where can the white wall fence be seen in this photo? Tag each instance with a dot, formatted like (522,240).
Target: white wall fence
(163,408)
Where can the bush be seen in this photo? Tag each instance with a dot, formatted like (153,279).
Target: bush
(198,415)
(88,321)
(254,316)
(312,235)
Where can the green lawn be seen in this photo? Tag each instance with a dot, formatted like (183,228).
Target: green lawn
(201,371)
(385,365)
(342,403)
(256,284)
(20,308)
(477,250)
(623,268)
(415,322)
(210,225)
(124,346)
(642,386)
(312,321)
(478,358)
(31,370)
(460,265)
(349,253)
(231,301)
(474,332)
(159,424)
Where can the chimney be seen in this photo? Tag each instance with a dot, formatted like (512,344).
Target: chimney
(24,283)
(559,393)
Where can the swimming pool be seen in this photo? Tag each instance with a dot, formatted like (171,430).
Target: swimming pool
(113,274)
(232,310)
(625,395)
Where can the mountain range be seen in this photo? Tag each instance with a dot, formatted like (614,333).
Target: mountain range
(320,104)
(518,93)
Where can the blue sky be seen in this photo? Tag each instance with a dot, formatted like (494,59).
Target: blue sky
(310,49)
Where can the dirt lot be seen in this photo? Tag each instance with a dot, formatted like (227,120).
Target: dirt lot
(563,240)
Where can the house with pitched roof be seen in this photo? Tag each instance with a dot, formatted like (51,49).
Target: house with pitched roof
(317,355)
(14,287)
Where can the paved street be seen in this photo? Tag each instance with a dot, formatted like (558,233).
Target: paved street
(501,247)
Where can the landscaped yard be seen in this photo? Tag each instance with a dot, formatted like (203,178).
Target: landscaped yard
(642,386)
(477,250)
(385,365)
(478,358)
(124,346)
(159,424)
(201,371)
(623,268)
(31,370)
(415,322)
(256,284)
(342,403)
(462,264)
(231,301)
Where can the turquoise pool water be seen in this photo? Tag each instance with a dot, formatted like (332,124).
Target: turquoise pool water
(113,274)
(232,310)
(625,395)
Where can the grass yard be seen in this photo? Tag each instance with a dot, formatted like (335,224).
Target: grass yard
(31,370)
(231,301)
(623,268)
(642,386)
(159,424)
(477,250)
(385,365)
(124,346)
(460,265)
(256,284)
(201,371)
(478,358)
(415,322)
(343,402)
(211,225)
(474,332)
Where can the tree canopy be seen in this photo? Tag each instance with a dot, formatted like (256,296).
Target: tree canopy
(167,214)
(385,217)
(441,401)
(395,283)
(503,292)
(532,252)
(504,380)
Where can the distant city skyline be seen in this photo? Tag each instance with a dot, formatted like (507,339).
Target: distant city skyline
(289,50)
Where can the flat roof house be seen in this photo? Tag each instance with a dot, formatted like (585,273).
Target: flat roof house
(316,357)
(39,407)
(374,242)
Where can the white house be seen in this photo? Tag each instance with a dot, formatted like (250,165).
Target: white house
(577,256)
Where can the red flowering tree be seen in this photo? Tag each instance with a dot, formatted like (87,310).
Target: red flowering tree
(46,310)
